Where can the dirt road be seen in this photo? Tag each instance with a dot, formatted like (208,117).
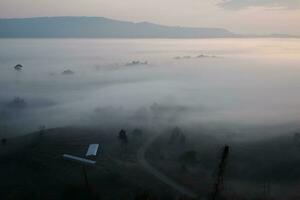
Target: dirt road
(158,174)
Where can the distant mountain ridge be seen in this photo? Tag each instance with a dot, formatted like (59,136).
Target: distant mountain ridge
(99,27)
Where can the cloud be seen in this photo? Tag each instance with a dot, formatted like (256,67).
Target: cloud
(240,4)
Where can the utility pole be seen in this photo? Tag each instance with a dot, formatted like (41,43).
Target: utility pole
(85,178)
(218,185)
(91,153)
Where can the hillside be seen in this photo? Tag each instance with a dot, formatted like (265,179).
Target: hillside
(99,27)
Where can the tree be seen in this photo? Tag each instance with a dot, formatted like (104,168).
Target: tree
(123,136)
(18,67)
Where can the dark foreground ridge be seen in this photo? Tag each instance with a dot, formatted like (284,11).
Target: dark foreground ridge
(139,164)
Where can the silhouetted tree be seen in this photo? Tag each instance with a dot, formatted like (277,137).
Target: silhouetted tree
(18,67)
(68,72)
(123,136)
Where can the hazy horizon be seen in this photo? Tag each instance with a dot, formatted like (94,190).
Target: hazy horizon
(245,17)
(102,27)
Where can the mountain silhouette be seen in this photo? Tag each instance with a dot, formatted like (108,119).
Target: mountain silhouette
(99,27)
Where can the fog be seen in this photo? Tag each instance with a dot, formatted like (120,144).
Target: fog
(248,86)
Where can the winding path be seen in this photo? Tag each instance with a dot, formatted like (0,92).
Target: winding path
(158,174)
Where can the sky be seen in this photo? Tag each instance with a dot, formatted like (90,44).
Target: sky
(239,16)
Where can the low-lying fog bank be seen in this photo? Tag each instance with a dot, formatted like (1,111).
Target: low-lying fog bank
(242,87)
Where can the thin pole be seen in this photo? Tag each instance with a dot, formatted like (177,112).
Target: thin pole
(221,169)
(86,179)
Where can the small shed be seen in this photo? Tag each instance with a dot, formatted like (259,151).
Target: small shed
(92,151)
(79,160)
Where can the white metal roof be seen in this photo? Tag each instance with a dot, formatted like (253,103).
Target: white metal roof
(78,159)
(92,150)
